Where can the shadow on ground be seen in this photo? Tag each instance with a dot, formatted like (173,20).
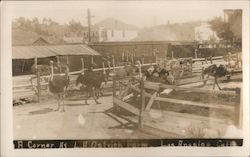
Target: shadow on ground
(43,111)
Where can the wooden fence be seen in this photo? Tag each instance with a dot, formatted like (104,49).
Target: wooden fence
(31,82)
(147,99)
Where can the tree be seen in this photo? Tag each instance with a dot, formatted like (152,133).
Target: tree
(75,27)
(229,29)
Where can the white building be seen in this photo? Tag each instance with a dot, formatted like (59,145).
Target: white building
(120,35)
(204,33)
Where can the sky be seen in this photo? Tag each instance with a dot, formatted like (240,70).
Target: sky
(139,13)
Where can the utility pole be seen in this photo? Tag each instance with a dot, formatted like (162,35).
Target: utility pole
(89,24)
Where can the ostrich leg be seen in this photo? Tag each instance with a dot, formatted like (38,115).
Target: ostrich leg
(87,94)
(93,94)
(63,100)
(58,102)
(216,81)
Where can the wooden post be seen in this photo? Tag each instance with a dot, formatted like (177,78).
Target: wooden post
(238,110)
(191,66)
(237,60)
(109,65)
(142,105)
(92,59)
(103,67)
(140,73)
(123,56)
(113,62)
(67,60)
(132,58)
(127,56)
(211,59)
(142,60)
(166,54)
(82,66)
(114,92)
(195,53)
(58,63)
(206,60)
(172,54)
(114,86)
(38,86)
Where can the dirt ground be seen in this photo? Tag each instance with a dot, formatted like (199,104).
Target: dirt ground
(79,121)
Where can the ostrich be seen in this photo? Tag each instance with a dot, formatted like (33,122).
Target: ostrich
(93,82)
(58,85)
(216,72)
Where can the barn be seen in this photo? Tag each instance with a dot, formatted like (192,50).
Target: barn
(23,56)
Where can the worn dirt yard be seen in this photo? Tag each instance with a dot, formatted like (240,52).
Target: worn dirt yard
(79,121)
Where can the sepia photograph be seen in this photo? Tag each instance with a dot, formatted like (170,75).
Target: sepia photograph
(115,74)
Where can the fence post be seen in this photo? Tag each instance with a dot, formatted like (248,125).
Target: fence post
(114,86)
(211,59)
(103,67)
(67,60)
(58,63)
(172,54)
(238,110)
(82,66)
(92,59)
(113,60)
(142,105)
(195,53)
(192,66)
(114,92)
(38,86)
(142,60)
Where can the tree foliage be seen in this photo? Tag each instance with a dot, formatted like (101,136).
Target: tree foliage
(229,29)
(48,27)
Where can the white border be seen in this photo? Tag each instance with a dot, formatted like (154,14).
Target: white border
(7,118)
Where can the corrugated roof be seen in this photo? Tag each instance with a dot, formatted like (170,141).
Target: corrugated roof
(28,52)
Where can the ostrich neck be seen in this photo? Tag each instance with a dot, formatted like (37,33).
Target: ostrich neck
(52,73)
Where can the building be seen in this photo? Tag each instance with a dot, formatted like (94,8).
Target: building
(110,30)
(204,33)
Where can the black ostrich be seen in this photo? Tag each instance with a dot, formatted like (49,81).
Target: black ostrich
(216,72)
(93,81)
(58,85)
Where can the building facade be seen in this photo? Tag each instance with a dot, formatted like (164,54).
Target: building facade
(108,35)
(204,33)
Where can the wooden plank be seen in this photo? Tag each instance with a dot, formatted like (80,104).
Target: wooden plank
(150,102)
(142,107)
(192,103)
(124,92)
(126,106)
(199,90)
(138,90)
(203,59)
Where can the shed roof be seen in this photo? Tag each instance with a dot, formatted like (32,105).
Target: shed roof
(28,52)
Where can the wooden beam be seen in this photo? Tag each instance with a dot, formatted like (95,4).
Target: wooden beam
(124,92)
(126,106)
(140,120)
(192,103)
(156,86)
(150,102)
